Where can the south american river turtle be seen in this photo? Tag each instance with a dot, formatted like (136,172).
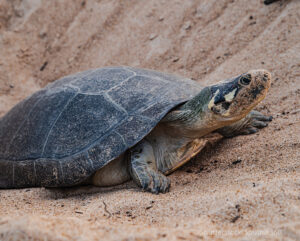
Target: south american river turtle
(109,125)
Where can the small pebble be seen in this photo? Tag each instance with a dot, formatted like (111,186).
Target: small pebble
(175,59)
(148,207)
(43,34)
(152,36)
(233,220)
(187,25)
(44,65)
(236,162)
(267,2)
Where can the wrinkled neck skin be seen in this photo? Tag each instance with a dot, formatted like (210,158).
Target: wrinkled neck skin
(173,139)
(194,119)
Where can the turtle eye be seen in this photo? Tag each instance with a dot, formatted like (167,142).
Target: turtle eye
(246,79)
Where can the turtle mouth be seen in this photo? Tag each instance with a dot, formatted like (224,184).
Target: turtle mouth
(221,107)
(226,105)
(222,101)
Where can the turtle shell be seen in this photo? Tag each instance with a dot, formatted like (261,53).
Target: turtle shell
(65,132)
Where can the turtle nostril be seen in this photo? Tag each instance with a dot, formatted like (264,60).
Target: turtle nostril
(266,77)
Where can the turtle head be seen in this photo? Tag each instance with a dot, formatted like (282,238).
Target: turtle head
(233,99)
(220,104)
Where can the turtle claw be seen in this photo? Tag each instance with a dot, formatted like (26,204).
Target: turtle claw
(257,116)
(165,184)
(257,120)
(259,124)
(246,126)
(248,131)
(155,182)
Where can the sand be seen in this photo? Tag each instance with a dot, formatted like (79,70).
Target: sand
(244,188)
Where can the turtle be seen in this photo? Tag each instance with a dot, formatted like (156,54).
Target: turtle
(108,125)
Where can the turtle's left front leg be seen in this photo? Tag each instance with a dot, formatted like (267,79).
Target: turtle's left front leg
(248,125)
(143,169)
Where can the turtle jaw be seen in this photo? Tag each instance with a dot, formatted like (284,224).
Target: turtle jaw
(234,99)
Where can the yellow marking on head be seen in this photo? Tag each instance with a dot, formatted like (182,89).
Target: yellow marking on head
(212,101)
(229,97)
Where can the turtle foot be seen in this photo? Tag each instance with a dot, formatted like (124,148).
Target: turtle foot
(143,169)
(155,182)
(151,180)
(256,121)
(246,126)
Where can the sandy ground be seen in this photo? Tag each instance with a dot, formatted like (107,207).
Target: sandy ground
(245,188)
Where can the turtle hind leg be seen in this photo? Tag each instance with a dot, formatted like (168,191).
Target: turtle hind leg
(248,125)
(144,171)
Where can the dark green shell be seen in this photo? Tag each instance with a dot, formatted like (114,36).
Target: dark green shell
(65,132)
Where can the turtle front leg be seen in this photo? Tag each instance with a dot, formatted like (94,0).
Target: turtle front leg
(248,125)
(144,171)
